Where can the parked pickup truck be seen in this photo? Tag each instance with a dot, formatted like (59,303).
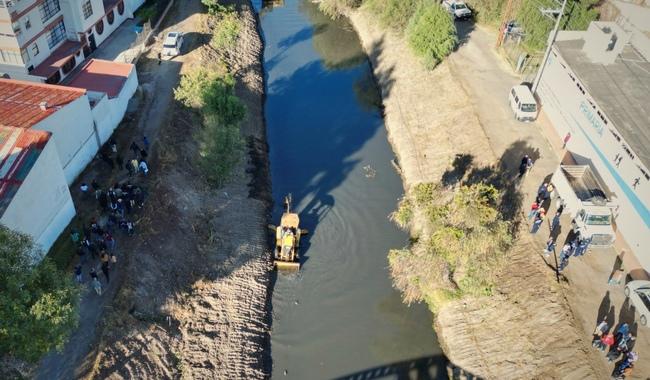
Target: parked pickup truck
(458,9)
(587,201)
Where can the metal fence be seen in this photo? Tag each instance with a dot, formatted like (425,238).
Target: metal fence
(522,61)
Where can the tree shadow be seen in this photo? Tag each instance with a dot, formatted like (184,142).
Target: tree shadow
(459,167)
(463,30)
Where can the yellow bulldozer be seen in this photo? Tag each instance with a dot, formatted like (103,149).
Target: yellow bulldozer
(287,239)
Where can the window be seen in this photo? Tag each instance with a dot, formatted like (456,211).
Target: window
(87,9)
(69,65)
(120,8)
(99,27)
(25,55)
(602,220)
(16,27)
(56,35)
(48,9)
(35,50)
(110,17)
(28,24)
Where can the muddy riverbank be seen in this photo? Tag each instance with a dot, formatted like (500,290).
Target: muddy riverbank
(195,298)
(527,329)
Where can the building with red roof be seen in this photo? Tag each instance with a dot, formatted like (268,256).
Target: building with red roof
(44,40)
(34,195)
(80,120)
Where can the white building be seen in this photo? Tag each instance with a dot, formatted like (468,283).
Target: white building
(80,120)
(596,86)
(44,40)
(34,195)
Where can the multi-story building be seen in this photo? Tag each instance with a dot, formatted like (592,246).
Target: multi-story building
(44,40)
(596,86)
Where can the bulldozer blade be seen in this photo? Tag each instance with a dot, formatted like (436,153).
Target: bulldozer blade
(271,227)
(287,265)
(304,232)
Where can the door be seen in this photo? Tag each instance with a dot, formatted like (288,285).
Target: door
(93,43)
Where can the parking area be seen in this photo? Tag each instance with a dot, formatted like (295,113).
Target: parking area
(586,278)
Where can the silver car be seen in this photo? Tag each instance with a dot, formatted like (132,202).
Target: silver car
(639,294)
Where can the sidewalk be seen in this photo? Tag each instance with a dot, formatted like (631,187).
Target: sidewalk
(586,288)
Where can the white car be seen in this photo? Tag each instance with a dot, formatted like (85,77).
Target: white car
(172,44)
(458,9)
(639,294)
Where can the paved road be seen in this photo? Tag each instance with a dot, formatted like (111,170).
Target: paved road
(158,81)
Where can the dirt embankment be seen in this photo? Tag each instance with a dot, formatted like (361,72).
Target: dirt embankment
(195,298)
(526,330)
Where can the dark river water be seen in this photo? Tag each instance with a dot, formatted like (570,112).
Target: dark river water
(339,316)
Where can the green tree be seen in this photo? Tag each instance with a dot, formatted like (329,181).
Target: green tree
(38,302)
(578,15)
(431,34)
(226,31)
(460,248)
(220,141)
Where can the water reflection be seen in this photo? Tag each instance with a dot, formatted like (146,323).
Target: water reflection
(334,40)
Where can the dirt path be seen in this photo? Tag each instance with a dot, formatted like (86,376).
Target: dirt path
(527,330)
(189,297)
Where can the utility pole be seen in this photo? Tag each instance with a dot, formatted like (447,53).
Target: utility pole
(558,13)
(504,22)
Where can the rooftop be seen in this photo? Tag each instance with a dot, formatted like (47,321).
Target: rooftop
(621,89)
(57,59)
(19,150)
(102,76)
(20,101)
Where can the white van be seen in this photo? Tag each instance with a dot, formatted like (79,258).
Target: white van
(172,44)
(523,103)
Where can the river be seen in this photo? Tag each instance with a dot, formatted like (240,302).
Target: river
(339,315)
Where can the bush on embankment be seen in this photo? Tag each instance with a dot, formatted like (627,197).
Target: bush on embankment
(38,302)
(460,247)
(220,141)
(211,91)
(335,8)
(431,34)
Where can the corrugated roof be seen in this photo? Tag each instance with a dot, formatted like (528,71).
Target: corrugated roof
(20,101)
(19,150)
(102,76)
(621,89)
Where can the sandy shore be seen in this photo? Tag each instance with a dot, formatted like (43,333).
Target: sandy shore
(527,329)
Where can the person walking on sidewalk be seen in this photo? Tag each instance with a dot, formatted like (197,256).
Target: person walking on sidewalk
(539,218)
(533,210)
(550,247)
(605,342)
(77,273)
(601,329)
(97,286)
(555,223)
(105,270)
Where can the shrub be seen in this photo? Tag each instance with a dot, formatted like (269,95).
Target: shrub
(220,148)
(220,142)
(431,34)
(394,13)
(487,11)
(38,302)
(578,15)
(226,32)
(464,248)
(214,7)
(335,8)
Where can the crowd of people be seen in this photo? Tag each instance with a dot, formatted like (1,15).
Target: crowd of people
(117,204)
(618,345)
